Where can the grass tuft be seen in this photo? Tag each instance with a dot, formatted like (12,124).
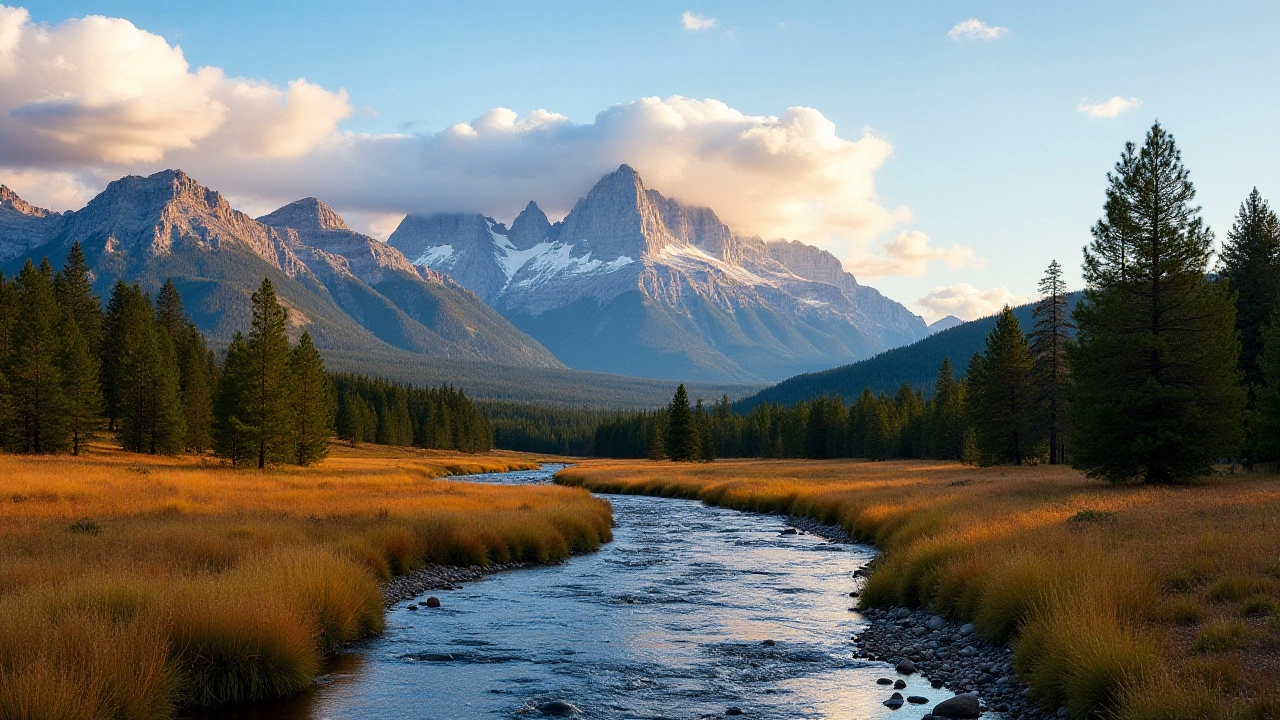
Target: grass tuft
(1219,636)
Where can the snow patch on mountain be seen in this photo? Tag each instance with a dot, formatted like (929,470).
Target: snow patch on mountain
(435,256)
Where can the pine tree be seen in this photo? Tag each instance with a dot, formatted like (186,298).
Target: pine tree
(79,369)
(1251,264)
(73,286)
(232,435)
(681,440)
(1155,392)
(946,416)
(8,315)
(268,411)
(151,416)
(38,419)
(1000,395)
(112,349)
(1049,340)
(656,450)
(702,424)
(1265,417)
(313,404)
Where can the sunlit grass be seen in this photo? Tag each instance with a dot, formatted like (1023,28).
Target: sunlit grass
(132,586)
(1125,602)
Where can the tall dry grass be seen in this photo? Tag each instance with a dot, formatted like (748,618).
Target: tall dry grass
(133,586)
(1122,602)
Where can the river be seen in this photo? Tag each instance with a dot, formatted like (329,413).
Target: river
(670,620)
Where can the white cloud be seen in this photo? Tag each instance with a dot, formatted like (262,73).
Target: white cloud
(99,90)
(910,254)
(1108,108)
(966,302)
(693,22)
(89,100)
(975,29)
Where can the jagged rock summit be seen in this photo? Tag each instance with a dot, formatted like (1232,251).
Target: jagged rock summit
(636,283)
(22,225)
(349,291)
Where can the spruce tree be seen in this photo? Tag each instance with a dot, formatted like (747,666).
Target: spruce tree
(268,412)
(313,404)
(681,440)
(1000,395)
(8,313)
(1265,416)
(73,286)
(79,369)
(1049,340)
(946,424)
(38,410)
(151,418)
(1155,393)
(232,436)
(112,349)
(1250,262)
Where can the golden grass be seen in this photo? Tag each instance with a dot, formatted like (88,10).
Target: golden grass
(1125,602)
(131,586)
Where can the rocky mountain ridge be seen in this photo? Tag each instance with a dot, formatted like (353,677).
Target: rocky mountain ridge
(637,283)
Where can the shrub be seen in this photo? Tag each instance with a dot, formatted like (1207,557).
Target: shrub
(1219,636)
(1260,606)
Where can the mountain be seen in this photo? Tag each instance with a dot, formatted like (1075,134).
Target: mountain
(945,323)
(636,283)
(917,364)
(347,290)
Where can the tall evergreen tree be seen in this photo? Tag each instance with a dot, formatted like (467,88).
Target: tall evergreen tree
(79,369)
(1250,261)
(1049,340)
(73,286)
(313,403)
(38,409)
(151,417)
(232,436)
(190,354)
(112,348)
(681,440)
(268,412)
(946,423)
(1265,417)
(1000,395)
(1155,391)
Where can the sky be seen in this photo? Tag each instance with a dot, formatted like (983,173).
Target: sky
(946,152)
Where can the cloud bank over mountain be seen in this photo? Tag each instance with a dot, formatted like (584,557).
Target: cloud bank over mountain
(89,99)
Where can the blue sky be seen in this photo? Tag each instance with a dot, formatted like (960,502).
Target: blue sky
(989,149)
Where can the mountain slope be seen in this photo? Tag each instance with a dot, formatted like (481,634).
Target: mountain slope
(169,226)
(634,282)
(917,364)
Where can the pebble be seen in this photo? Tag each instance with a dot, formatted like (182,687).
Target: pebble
(438,577)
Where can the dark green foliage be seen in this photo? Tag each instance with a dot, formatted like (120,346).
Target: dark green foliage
(1155,392)
(439,418)
(148,397)
(195,367)
(916,364)
(1250,262)
(944,429)
(314,404)
(231,435)
(37,413)
(533,428)
(1001,396)
(267,410)
(79,369)
(1265,418)
(74,288)
(1049,339)
(681,441)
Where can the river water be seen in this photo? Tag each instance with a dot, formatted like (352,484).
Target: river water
(667,621)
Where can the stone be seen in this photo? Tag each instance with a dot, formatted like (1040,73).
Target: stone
(433,602)
(884,681)
(788,531)
(768,643)
(906,667)
(412,607)
(899,685)
(917,700)
(733,710)
(558,708)
(894,702)
(968,629)
(937,622)
(960,707)
(935,683)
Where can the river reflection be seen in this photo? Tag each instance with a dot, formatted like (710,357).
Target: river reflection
(667,621)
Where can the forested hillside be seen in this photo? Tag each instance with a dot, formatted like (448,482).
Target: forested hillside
(916,364)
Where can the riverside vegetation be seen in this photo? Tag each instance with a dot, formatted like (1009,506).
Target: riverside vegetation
(132,585)
(1135,602)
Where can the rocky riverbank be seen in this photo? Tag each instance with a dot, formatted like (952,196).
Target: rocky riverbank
(949,654)
(439,577)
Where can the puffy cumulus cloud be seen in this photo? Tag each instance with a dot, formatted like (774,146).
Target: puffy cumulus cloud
(791,175)
(909,253)
(100,90)
(975,29)
(693,22)
(1110,108)
(966,302)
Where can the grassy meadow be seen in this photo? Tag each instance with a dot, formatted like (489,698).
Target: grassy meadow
(132,586)
(1129,602)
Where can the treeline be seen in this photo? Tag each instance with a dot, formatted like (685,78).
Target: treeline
(379,411)
(539,429)
(139,370)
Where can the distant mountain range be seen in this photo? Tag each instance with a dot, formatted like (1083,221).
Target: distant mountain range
(630,283)
(916,364)
(636,283)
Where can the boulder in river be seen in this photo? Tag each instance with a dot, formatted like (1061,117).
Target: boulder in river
(894,702)
(960,707)
(433,602)
(884,681)
(917,699)
(899,685)
(735,710)
(788,531)
(906,667)
(769,643)
(558,708)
